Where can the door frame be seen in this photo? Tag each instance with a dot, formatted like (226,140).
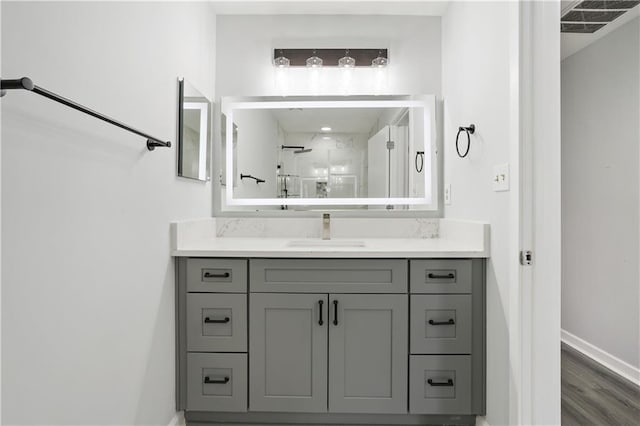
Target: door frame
(534,313)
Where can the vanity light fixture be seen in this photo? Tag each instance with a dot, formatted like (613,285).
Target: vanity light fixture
(346,61)
(325,129)
(379,61)
(332,57)
(314,61)
(281,61)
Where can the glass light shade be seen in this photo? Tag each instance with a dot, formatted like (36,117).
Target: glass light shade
(281,62)
(314,62)
(379,62)
(346,62)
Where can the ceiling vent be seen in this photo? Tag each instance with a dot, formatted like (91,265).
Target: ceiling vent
(589,16)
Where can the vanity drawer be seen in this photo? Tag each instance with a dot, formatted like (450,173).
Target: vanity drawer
(216,322)
(216,275)
(329,275)
(440,324)
(217,382)
(440,384)
(441,276)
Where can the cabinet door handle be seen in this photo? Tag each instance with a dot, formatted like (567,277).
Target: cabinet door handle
(223,275)
(208,320)
(320,303)
(449,382)
(449,276)
(209,381)
(450,322)
(335,312)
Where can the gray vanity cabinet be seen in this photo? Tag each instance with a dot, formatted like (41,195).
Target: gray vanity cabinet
(364,336)
(368,344)
(288,352)
(330,341)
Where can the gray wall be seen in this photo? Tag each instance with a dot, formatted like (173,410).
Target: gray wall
(600,193)
(87,277)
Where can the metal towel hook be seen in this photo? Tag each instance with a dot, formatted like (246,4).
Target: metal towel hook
(469,131)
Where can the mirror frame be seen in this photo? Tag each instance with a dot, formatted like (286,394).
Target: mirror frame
(204,174)
(425,102)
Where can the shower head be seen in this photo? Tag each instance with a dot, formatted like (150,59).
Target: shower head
(300,149)
(303,151)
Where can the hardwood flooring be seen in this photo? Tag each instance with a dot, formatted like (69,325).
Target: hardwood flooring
(593,395)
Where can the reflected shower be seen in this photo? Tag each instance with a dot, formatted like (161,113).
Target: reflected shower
(299,149)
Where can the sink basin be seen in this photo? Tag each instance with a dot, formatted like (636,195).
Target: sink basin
(325,243)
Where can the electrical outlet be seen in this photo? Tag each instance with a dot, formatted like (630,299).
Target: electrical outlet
(447,194)
(500,178)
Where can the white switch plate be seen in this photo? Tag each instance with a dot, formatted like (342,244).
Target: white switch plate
(500,178)
(447,194)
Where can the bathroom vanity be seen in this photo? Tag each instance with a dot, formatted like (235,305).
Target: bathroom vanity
(374,331)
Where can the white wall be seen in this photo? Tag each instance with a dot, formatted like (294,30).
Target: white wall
(88,281)
(245,48)
(600,216)
(475,87)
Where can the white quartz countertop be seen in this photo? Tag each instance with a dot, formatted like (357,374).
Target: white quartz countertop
(455,239)
(343,248)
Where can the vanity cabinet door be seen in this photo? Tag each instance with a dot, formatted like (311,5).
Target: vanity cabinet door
(368,347)
(288,352)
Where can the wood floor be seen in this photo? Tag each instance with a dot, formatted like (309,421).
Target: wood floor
(593,395)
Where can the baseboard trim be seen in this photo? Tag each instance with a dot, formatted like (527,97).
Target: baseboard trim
(177,419)
(602,357)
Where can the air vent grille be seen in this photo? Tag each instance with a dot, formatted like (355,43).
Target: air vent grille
(591,15)
(608,5)
(580,28)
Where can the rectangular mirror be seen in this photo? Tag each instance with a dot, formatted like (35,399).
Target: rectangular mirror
(194,130)
(348,152)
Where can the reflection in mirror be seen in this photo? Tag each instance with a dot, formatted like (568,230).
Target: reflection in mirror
(342,154)
(194,129)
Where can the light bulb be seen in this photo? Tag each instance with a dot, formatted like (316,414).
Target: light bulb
(314,62)
(380,61)
(281,61)
(346,61)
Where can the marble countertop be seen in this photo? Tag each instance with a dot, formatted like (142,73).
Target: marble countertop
(455,239)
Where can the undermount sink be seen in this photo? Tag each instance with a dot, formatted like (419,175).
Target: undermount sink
(325,243)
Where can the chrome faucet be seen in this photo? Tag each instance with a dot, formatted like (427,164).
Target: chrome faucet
(326,226)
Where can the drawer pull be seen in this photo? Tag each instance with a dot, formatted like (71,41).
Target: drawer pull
(441,277)
(449,382)
(450,322)
(209,381)
(335,312)
(210,275)
(320,303)
(208,320)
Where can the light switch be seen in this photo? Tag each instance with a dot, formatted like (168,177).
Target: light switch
(447,194)
(500,178)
